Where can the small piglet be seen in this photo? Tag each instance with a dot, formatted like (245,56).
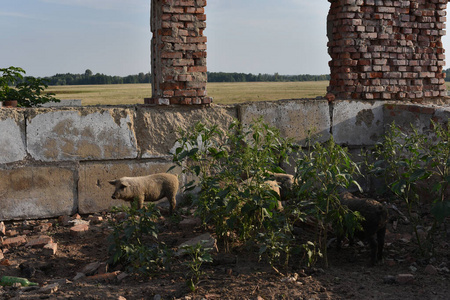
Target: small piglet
(147,188)
(286,184)
(374,224)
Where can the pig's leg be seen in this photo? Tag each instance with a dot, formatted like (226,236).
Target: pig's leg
(140,202)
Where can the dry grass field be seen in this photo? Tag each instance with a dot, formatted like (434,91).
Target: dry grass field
(222,93)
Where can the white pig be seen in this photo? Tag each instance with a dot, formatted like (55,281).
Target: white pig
(147,188)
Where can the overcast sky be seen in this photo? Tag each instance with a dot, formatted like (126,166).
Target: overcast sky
(46,37)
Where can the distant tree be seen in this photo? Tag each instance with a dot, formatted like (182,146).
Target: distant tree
(88,73)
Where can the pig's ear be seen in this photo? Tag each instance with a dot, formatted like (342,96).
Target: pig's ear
(112,182)
(125,184)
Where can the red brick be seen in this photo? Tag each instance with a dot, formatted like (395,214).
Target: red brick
(201,39)
(50,249)
(185,77)
(197,69)
(183,62)
(171,55)
(79,229)
(186,3)
(168,93)
(185,101)
(185,93)
(12,232)
(172,9)
(42,227)
(39,241)
(172,85)
(14,241)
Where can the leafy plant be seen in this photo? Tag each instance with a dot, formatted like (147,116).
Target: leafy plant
(312,252)
(402,160)
(134,243)
(410,162)
(232,168)
(28,91)
(198,255)
(439,152)
(323,172)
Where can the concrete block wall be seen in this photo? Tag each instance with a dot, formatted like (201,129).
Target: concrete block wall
(178,52)
(387,49)
(58,161)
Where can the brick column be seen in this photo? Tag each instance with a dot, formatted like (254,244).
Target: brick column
(178,52)
(386,49)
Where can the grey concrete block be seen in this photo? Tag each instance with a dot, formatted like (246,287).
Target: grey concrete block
(81,134)
(158,127)
(94,189)
(12,140)
(294,118)
(37,192)
(357,122)
(406,116)
(12,136)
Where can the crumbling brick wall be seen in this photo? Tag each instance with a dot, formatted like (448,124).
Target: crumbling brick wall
(380,50)
(178,52)
(386,49)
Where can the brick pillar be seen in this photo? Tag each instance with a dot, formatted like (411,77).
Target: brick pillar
(178,52)
(386,49)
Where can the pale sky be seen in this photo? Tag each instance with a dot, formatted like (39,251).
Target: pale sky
(46,37)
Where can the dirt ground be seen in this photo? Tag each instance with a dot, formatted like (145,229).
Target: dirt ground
(237,275)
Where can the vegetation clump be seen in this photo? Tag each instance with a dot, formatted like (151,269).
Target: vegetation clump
(230,194)
(27,91)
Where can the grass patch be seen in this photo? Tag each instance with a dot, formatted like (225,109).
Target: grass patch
(222,93)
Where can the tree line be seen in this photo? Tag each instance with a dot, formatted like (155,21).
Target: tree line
(89,78)
(243,77)
(447,74)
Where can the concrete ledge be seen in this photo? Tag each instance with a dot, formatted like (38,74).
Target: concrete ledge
(63,103)
(37,192)
(294,118)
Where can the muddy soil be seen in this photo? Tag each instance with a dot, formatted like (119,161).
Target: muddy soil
(404,274)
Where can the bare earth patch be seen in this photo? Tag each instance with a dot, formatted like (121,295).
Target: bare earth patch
(78,271)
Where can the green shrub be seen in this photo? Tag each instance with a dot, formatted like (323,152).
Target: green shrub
(134,242)
(28,91)
(198,255)
(411,163)
(323,172)
(232,167)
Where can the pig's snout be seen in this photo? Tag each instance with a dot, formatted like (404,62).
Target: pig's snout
(114,197)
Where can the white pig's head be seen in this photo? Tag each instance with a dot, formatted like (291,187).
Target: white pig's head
(122,190)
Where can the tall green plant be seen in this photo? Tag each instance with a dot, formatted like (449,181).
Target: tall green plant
(232,167)
(198,255)
(440,168)
(409,162)
(134,243)
(323,172)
